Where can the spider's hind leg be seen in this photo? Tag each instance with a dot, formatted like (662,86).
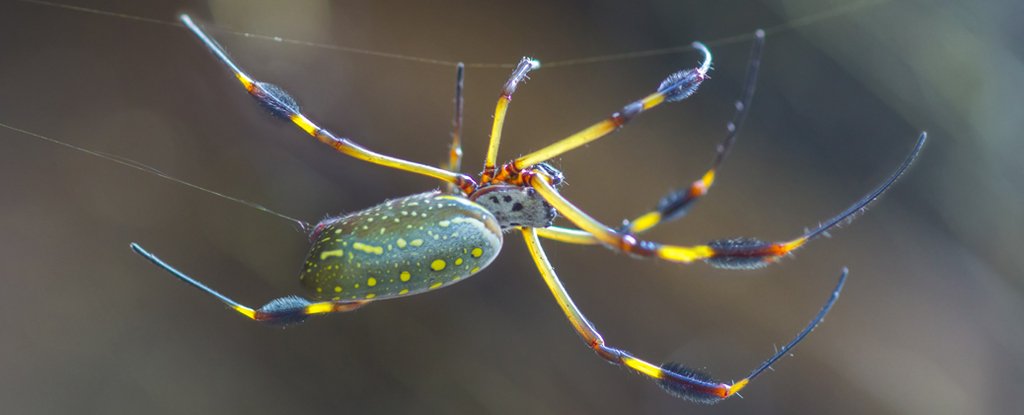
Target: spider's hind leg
(280,311)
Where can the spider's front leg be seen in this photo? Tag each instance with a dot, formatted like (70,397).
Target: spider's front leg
(454,162)
(676,87)
(282,105)
(673,377)
(736,253)
(519,74)
(677,203)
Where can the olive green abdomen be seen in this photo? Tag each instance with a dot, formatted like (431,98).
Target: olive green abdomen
(401,247)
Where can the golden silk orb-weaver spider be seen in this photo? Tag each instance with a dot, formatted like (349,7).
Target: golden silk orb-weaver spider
(426,241)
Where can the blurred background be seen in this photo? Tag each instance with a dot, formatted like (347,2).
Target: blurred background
(930,321)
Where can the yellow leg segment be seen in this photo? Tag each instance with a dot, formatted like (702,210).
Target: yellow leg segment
(674,378)
(284,310)
(641,224)
(576,318)
(282,105)
(501,109)
(670,207)
(678,86)
(567,235)
(680,384)
(589,134)
(727,254)
(737,253)
(676,204)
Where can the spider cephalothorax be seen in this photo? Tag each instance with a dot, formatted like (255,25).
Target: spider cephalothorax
(518,205)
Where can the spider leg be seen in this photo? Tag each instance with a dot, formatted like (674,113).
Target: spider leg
(739,253)
(454,163)
(674,378)
(280,311)
(677,203)
(677,87)
(518,75)
(282,105)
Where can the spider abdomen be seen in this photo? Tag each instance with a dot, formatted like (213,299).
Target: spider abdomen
(401,247)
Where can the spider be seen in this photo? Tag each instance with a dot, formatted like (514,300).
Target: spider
(427,241)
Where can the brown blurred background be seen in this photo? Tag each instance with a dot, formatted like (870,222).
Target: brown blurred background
(930,321)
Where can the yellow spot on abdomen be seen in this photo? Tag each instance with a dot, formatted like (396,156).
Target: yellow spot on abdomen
(458,261)
(444,223)
(405,276)
(370,249)
(370,282)
(327,254)
(477,252)
(337,288)
(370,295)
(404,291)
(436,284)
(416,242)
(400,242)
(438,265)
